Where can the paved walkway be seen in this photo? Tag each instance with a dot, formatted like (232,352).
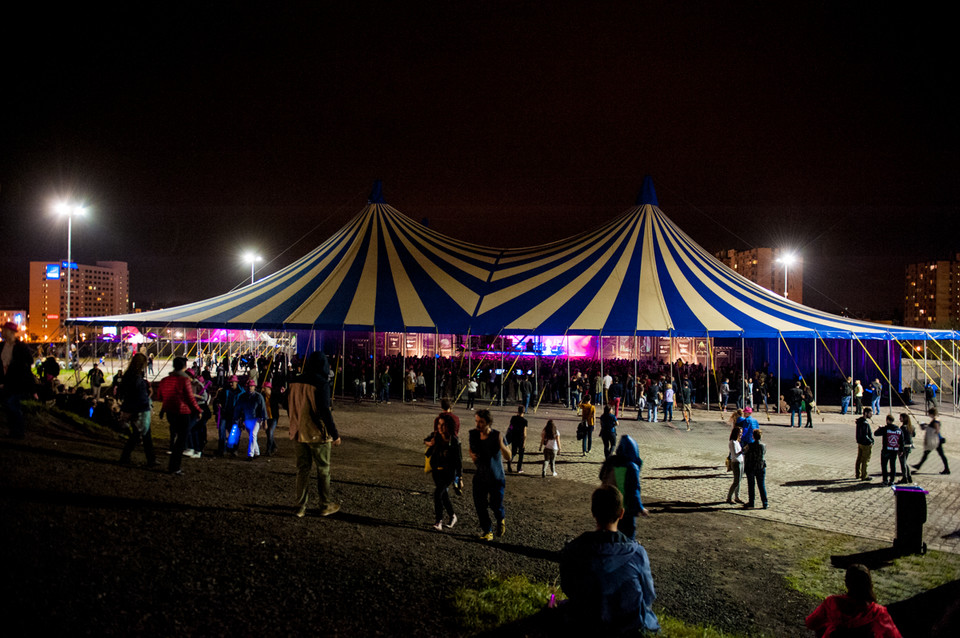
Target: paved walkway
(809,476)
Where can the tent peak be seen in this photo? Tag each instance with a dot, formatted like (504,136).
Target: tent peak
(647,194)
(376,195)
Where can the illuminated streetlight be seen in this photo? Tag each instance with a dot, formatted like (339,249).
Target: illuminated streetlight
(786,260)
(253,258)
(63,208)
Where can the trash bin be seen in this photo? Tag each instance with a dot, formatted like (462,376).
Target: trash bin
(911,515)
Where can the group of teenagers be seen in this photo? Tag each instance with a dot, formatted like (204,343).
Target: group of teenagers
(896,443)
(489,449)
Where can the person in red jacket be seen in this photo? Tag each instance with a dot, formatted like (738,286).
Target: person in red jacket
(857,612)
(180,407)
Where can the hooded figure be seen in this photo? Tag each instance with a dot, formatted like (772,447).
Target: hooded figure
(622,470)
(607,577)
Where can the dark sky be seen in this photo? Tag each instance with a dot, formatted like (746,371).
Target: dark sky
(194,134)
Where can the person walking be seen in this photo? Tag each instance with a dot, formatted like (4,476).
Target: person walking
(517,438)
(95,378)
(180,407)
(446,466)
(550,443)
(588,414)
(608,431)
(471,392)
(864,434)
(487,451)
(932,440)
(622,470)
(135,409)
(907,433)
(313,431)
(252,410)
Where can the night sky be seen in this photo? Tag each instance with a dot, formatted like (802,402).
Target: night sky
(195,134)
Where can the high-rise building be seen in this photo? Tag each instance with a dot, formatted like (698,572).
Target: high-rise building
(95,291)
(932,294)
(761,266)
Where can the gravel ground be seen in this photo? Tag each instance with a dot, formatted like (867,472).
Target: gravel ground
(94,548)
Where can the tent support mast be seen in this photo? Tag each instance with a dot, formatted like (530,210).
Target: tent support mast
(403,372)
(603,389)
(709,368)
(343,363)
(569,378)
(778,371)
(501,371)
(636,356)
(886,345)
(815,384)
(436,357)
(376,380)
(743,371)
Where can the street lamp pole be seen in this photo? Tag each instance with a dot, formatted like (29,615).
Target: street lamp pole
(786,260)
(253,258)
(69,210)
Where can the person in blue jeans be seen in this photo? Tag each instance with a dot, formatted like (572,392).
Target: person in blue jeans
(653,402)
(488,450)
(755,466)
(608,431)
(846,394)
(877,388)
(589,413)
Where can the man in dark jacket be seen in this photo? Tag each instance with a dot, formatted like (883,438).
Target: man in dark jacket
(794,399)
(16,378)
(864,444)
(313,430)
(891,442)
(607,576)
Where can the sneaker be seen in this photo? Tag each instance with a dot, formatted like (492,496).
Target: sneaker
(519,471)
(329,508)
(302,511)
(438,526)
(453,521)
(945,472)
(486,536)
(554,473)
(501,527)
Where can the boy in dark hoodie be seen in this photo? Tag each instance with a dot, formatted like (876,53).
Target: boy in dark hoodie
(891,441)
(622,470)
(607,576)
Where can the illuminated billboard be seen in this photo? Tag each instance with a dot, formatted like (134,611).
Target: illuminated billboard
(53,271)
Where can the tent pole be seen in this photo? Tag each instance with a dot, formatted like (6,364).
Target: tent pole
(569,378)
(778,372)
(603,390)
(940,372)
(343,363)
(376,379)
(852,374)
(436,356)
(636,356)
(743,369)
(709,366)
(403,378)
(889,378)
(815,374)
(501,371)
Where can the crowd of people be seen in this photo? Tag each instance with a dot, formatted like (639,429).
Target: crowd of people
(605,573)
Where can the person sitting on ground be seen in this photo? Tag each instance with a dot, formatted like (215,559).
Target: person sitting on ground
(607,576)
(856,613)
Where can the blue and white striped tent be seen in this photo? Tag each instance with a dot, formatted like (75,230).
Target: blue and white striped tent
(638,274)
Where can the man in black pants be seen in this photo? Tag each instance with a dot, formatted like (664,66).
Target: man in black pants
(517,432)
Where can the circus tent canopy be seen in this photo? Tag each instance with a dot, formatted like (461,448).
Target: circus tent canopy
(638,274)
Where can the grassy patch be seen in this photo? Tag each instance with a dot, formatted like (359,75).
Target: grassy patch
(905,577)
(671,627)
(501,599)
